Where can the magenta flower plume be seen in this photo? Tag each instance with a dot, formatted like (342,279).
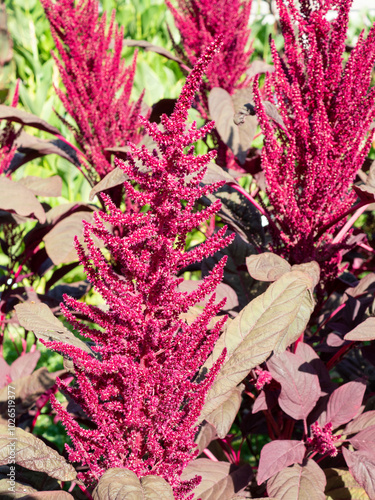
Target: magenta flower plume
(140,385)
(327,108)
(97,82)
(202,21)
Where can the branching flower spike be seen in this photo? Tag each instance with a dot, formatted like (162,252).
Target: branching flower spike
(202,21)
(97,82)
(140,389)
(328,109)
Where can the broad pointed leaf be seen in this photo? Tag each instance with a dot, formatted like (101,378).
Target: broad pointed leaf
(364,439)
(298,482)
(24,118)
(270,323)
(47,186)
(123,484)
(33,454)
(15,198)
(267,266)
(116,177)
(300,389)
(219,479)
(40,319)
(24,365)
(362,469)
(204,436)
(223,417)
(277,455)
(59,241)
(364,331)
(338,410)
(361,422)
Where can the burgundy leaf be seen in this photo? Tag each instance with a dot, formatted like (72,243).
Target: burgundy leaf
(363,470)
(24,365)
(338,410)
(300,389)
(364,439)
(298,483)
(277,455)
(152,48)
(361,422)
(116,177)
(309,355)
(24,118)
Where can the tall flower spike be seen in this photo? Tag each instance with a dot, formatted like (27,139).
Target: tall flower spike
(97,82)
(140,388)
(202,21)
(328,110)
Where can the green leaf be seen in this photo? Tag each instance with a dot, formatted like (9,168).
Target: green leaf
(269,324)
(33,454)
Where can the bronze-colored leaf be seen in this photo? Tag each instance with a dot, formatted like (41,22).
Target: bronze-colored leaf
(341,485)
(48,186)
(149,47)
(116,177)
(123,484)
(16,198)
(267,266)
(33,454)
(59,242)
(40,319)
(270,323)
(223,417)
(220,480)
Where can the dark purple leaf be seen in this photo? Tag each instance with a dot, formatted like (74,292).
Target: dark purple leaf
(149,47)
(363,470)
(277,455)
(24,118)
(300,389)
(339,412)
(24,365)
(298,483)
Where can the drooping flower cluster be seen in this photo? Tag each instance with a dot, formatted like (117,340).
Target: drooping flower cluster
(322,440)
(202,21)
(97,82)
(140,387)
(311,160)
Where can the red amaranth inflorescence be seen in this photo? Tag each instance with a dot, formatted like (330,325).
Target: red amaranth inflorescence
(139,386)
(322,440)
(328,109)
(97,82)
(202,21)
